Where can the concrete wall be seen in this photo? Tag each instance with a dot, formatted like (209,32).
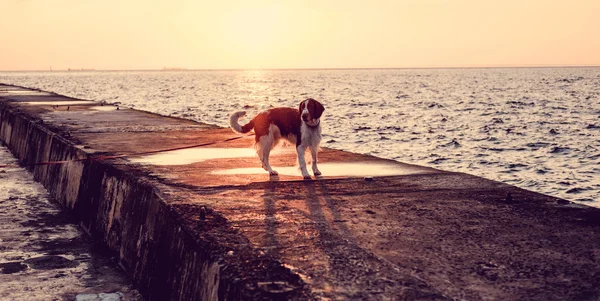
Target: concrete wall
(124,213)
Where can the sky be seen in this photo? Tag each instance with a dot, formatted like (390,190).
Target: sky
(228,34)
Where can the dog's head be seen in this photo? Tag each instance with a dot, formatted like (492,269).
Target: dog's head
(311,111)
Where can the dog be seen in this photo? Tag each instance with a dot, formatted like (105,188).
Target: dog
(300,127)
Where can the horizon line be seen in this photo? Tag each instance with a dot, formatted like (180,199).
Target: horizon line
(304,68)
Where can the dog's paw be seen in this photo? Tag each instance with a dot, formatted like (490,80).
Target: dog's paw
(307,177)
(273,173)
(317,173)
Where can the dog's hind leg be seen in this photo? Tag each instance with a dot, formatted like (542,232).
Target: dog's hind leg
(263,149)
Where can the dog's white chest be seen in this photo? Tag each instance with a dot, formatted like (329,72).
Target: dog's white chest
(310,136)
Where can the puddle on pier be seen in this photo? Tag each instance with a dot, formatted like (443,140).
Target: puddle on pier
(104,108)
(23,92)
(60,103)
(355,169)
(194,155)
(342,169)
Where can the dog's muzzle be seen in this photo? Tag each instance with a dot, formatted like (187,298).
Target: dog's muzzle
(313,124)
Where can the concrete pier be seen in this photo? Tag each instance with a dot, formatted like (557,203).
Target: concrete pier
(207,223)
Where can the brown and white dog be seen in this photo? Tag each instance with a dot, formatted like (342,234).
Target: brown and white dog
(301,127)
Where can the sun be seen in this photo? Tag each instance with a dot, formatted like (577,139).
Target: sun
(251,31)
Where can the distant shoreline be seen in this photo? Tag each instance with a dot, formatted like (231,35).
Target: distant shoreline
(301,69)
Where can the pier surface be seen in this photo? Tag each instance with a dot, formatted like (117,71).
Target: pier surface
(208,223)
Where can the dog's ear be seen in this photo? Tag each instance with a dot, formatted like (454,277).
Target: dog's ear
(319,108)
(301,107)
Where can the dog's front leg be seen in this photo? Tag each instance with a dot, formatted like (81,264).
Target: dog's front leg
(302,161)
(314,152)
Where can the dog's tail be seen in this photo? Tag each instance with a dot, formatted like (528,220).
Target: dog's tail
(236,127)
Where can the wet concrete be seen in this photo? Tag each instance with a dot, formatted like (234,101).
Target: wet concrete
(206,224)
(43,254)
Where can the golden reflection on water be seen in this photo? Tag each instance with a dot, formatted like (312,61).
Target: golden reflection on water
(255,84)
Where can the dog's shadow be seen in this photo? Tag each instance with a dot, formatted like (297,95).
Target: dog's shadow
(322,220)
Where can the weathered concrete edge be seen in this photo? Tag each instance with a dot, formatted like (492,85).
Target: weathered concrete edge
(127,214)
